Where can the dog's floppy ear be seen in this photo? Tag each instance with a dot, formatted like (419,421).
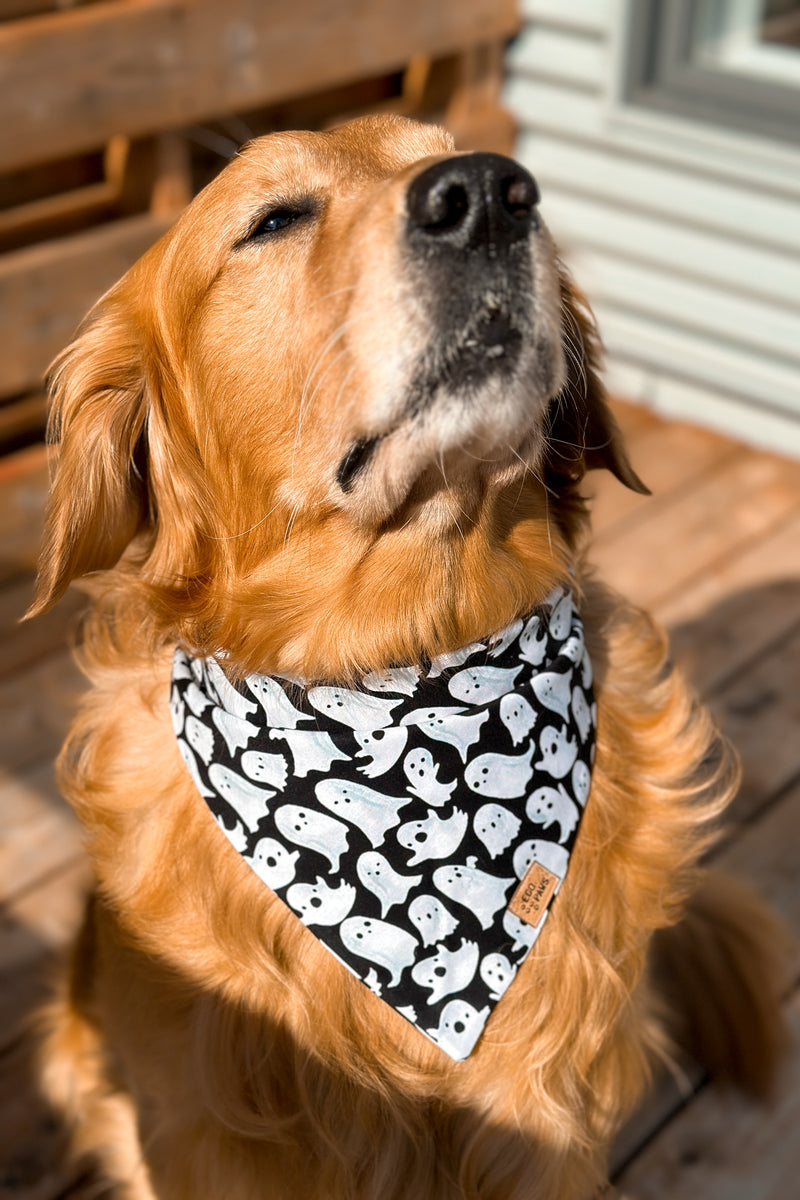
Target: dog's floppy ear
(98,499)
(582,433)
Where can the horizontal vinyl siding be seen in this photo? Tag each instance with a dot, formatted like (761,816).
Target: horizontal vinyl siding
(587,16)
(693,269)
(555,54)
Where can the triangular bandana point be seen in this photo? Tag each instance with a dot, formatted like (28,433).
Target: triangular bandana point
(419,825)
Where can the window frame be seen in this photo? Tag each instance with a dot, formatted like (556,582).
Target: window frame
(662,74)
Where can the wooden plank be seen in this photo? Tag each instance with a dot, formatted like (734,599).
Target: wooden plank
(21,645)
(34,927)
(633,416)
(22,418)
(725,1147)
(35,710)
(40,832)
(667,457)
(46,290)
(138,66)
(24,484)
(760,713)
(736,610)
(765,856)
(745,498)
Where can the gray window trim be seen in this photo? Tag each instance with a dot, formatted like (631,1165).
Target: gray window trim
(661,75)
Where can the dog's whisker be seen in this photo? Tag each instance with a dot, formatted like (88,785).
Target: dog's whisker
(209,139)
(327,345)
(229,537)
(290,525)
(530,469)
(350,287)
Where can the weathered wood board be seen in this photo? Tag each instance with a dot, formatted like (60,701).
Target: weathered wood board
(138,66)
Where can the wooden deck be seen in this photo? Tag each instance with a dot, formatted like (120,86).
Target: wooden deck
(715,553)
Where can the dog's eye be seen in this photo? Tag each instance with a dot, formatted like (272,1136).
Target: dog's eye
(278,220)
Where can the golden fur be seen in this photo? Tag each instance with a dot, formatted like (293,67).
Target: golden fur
(205,1043)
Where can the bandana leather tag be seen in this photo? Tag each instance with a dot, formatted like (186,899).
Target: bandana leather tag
(419,825)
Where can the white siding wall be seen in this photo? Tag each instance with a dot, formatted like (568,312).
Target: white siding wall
(687,240)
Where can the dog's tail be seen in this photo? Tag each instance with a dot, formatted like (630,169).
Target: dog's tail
(721,972)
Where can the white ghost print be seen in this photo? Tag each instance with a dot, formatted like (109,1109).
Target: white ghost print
(373,983)
(358,710)
(480,685)
(581,781)
(319,903)
(382,746)
(558,751)
(421,771)
(574,648)
(431,918)
(249,802)
(305,827)
(278,708)
(200,738)
(236,836)
(533,641)
(395,679)
(181,667)
(497,972)
(501,643)
(502,776)
(524,935)
(311,750)
(547,806)
(561,617)
(447,725)
(483,894)
(460,1026)
(273,863)
(236,731)
(553,690)
(446,662)
(177,710)
(586,670)
(191,766)
(265,768)
(378,874)
(379,942)
(518,716)
(435,837)
(496,827)
(229,697)
(581,712)
(549,855)
(198,701)
(373,812)
(447,971)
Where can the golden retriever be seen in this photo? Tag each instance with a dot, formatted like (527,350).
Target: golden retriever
(335,422)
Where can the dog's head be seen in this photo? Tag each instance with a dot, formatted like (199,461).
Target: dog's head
(346,336)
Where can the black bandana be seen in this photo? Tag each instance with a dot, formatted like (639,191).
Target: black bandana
(419,825)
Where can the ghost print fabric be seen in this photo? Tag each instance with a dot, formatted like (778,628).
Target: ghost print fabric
(399,819)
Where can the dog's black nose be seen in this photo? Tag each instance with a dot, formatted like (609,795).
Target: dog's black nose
(472,202)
